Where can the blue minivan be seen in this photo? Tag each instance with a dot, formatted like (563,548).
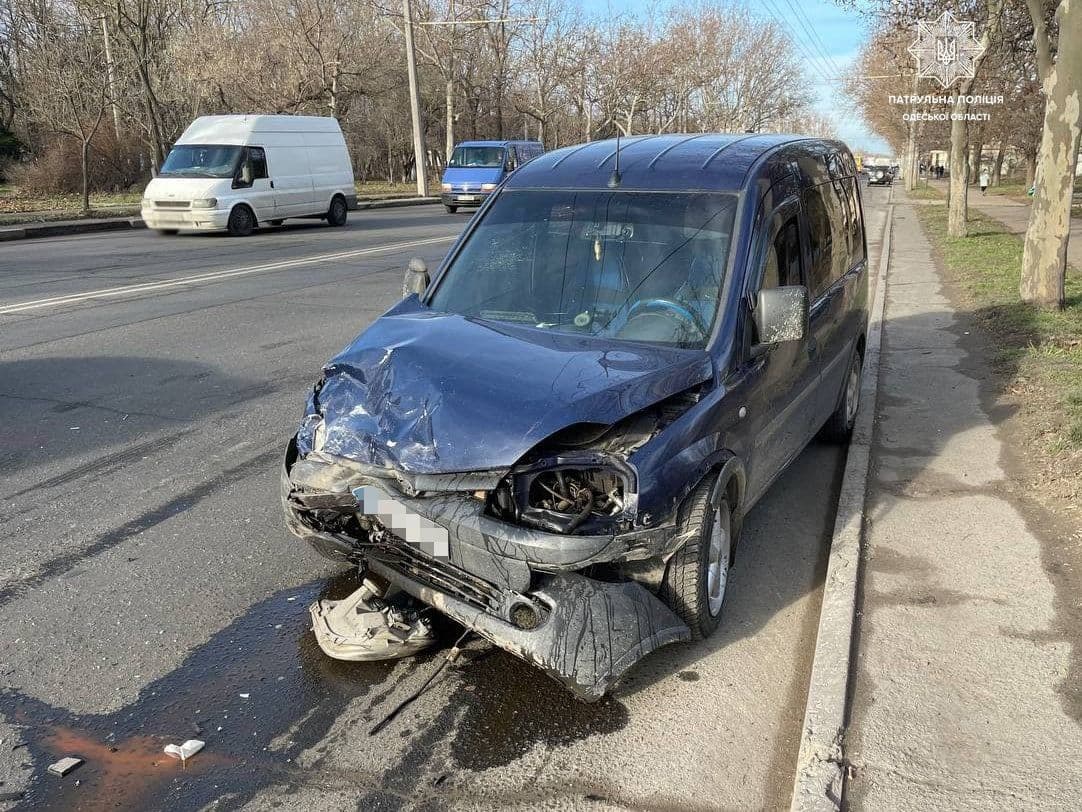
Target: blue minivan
(476,168)
(555,439)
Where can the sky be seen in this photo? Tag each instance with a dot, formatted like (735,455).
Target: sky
(824,27)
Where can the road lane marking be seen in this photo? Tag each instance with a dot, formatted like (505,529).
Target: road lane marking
(211,276)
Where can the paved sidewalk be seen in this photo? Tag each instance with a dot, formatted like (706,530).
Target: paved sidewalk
(966,685)
(1015,217)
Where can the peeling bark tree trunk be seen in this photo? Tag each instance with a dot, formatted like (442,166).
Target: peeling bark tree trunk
(1044,262)
(909,160)
(958,212)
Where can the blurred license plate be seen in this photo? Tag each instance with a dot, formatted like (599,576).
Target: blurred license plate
(466,197)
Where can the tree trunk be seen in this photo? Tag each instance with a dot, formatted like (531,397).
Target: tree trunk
(86,176)
(997,166)
(957,211)
(908,160)
(150,102)
(1044,261)
(975,152)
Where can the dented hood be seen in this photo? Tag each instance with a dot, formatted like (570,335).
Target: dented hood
(428,392)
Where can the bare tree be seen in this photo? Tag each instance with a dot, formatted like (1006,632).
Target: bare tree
(70,92)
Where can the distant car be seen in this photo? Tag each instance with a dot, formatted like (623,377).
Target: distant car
(879,175)
(555,441)
(232,173)
(476,168)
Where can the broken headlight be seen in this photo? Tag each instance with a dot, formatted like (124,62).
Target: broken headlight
(577,493)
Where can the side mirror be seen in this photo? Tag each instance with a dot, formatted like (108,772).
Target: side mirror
(416,280)
(781,314)
(509,166)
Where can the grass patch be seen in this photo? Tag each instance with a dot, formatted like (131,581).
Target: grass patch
(18,205)
(1012,188)
(15,200)
(376,189)
(924,192)
(1040,350)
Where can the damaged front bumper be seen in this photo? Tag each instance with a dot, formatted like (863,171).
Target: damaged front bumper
(520,588)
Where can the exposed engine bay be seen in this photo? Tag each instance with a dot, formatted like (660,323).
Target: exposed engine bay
(545,559)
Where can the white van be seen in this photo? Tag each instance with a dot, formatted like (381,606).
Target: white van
(235,172)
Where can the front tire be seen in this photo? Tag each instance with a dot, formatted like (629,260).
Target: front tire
(451,209)
(839,426)
(167,232)
(338,212)
(241,221)
(697,575)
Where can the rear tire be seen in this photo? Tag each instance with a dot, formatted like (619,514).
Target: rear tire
(241,221)
(696,577)
(451,209)
(167,232)
(839,426)
(338,212)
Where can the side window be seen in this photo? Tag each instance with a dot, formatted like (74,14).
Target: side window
(258,159)
(782,264)
(512,157)
(856,224)
(818,205)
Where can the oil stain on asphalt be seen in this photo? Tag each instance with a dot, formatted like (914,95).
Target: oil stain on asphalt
(499,709)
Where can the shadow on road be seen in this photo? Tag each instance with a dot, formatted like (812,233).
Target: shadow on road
(55,408)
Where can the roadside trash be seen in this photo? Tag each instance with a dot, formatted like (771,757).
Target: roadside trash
(245,696)
(365,627)
(186,750)
(65,766)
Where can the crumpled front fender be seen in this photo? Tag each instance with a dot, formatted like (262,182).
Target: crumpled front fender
(592,634)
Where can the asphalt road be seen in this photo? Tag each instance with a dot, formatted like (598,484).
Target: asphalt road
(149,592)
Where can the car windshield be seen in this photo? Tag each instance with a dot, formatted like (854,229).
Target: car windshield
(201,161)
(635,266)
(477,156)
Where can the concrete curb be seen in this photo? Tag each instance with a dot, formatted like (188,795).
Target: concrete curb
(820,769)
(58,228)
(395,203)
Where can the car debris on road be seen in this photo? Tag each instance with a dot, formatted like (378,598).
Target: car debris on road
(363,626)
(64,766)
(185,751)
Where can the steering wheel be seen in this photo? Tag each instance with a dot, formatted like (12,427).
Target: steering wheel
(678,310)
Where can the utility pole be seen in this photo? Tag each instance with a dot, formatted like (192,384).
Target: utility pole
(111,75)
(415,104)
(450,89)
